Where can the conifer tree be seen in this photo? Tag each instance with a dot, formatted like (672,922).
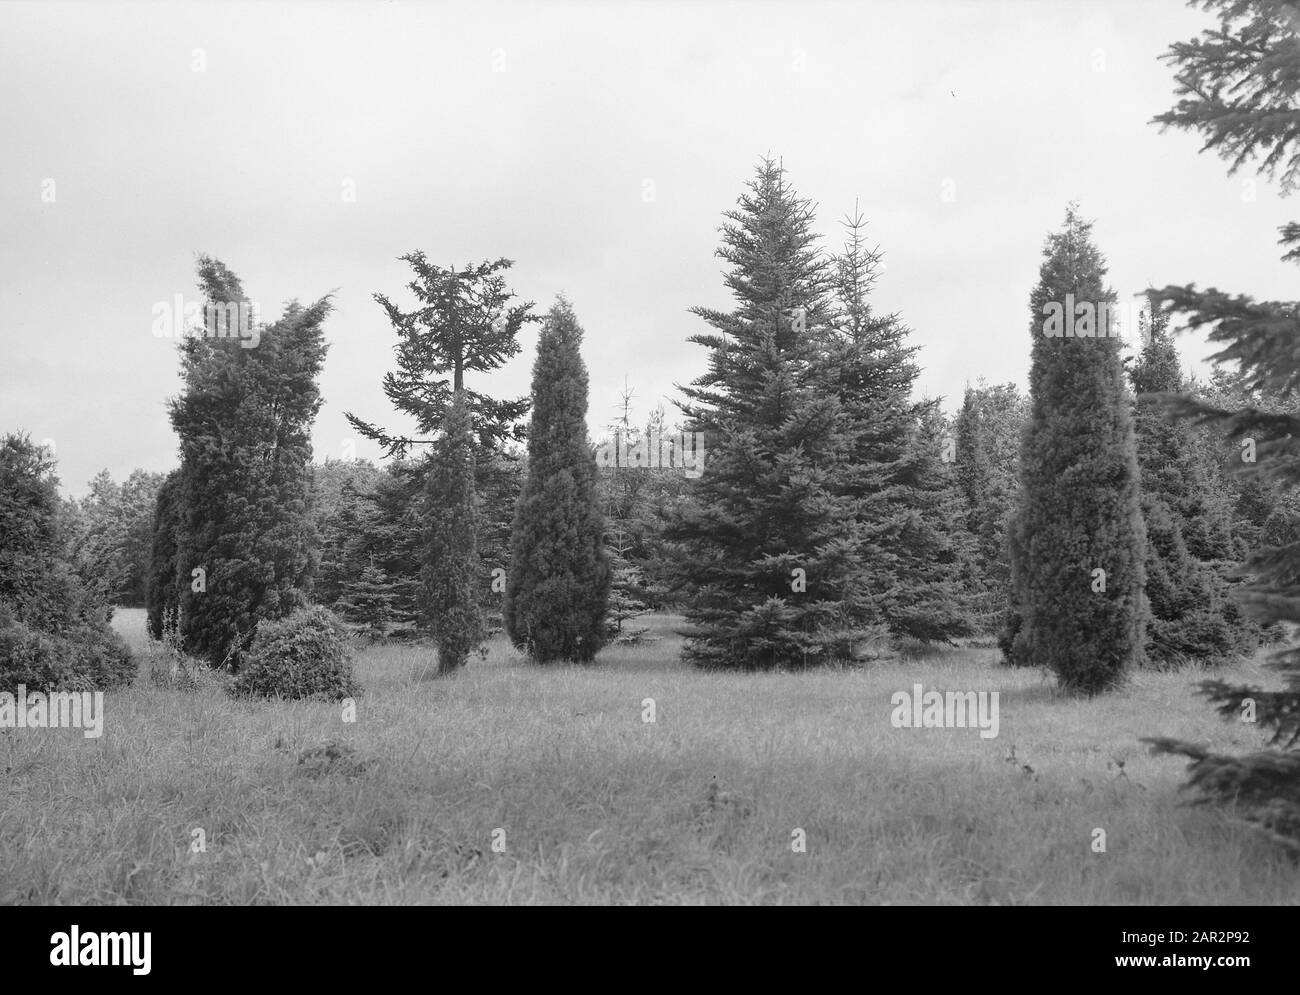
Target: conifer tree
(463,323)
(987,452)
(1078,545)
(904,517)
(1192,617)
(1237,87)
(765,549)
(246,541)
(558,582)
(367,601)
(450,571)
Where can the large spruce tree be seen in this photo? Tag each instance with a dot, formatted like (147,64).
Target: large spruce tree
(903,516)
(765,551)
(558,582)
(245,538)
(1078,546)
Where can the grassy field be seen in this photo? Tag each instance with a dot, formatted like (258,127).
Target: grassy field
(595,805)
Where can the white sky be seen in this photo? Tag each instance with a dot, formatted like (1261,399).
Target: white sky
(1022,106)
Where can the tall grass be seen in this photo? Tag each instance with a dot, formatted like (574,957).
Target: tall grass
(597,806)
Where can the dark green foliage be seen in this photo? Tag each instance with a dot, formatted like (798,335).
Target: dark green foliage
(54,631)
(764,547)
(367,602)
(558,582)
(463,323)
(162,593)
(818,528)
(343,492)
(82,656)
(304,655)
(1238,84)
(1079,509)
(450,573)
(244,422)
(987,457)
(1192,616)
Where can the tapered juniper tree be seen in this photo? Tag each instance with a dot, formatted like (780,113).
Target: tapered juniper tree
(559,576)
(1077,541)
(245,538)
(450,572)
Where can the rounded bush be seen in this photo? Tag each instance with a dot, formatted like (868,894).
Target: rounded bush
(305,655)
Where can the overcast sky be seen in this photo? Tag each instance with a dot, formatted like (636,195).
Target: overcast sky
(596,144)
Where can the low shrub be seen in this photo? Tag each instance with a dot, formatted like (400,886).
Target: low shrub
(305,655)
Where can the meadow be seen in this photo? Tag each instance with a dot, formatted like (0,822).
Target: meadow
(516,784)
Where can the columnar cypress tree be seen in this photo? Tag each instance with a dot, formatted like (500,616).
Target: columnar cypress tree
(558,582)
(245,545)
(1192,617)
(1078,544)
(450,570)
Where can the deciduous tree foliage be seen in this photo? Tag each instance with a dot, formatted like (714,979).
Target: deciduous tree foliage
(54,631)
(1079,510)
(558,583)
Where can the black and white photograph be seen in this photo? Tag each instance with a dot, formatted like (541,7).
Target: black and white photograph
(627,453)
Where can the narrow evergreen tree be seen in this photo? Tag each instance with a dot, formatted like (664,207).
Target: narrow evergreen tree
(246,543)
(558,582)
(450,571)
(1077,543)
